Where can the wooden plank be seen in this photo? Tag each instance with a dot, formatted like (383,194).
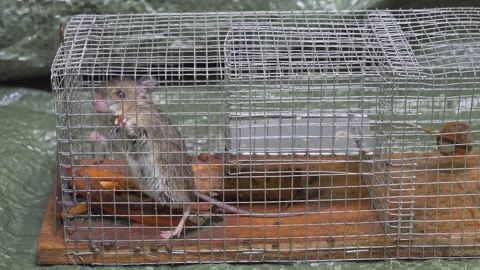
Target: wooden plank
(50,247)
(235,239)
(349,230)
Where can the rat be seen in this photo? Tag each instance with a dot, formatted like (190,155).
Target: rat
(155,151)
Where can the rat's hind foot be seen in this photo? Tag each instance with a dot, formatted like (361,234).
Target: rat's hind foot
(169,234)
(178,230)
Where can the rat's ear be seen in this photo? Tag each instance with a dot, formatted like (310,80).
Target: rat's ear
(145,85)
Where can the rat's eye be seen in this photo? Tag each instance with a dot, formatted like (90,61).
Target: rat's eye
(120,93)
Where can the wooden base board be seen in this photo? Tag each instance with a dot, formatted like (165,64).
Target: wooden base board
(446,222)
(333,235)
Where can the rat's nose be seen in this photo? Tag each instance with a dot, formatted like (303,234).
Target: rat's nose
(96,102)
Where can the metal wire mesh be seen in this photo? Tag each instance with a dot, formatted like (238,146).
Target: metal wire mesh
(280,110)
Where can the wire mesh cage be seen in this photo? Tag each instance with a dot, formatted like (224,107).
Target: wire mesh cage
(339,136)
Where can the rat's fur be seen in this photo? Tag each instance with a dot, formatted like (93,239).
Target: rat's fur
(165,173)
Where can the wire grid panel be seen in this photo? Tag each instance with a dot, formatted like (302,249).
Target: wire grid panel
(435,85)
(276,110)
(320,88)
(392,191)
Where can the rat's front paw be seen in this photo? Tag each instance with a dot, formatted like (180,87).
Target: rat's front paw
(120,120)
(96,137)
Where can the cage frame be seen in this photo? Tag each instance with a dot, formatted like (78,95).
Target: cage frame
(397,218)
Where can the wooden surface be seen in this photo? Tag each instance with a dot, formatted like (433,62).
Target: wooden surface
(445,225)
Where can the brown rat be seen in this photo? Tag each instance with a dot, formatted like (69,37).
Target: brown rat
(155,152)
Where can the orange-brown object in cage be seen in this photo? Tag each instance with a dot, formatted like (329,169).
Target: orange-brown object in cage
(294,177)
(111,203)
(208,170)
(102,196)
(455,139)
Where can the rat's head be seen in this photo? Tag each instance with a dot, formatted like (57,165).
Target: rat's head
(119,96)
